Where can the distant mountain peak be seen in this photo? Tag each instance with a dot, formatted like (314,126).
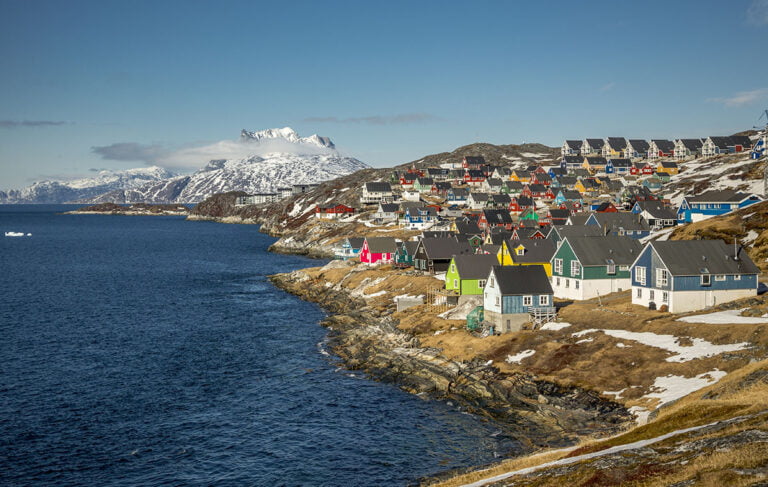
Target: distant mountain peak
(288,134)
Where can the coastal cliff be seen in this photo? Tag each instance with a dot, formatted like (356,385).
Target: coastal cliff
(366,336)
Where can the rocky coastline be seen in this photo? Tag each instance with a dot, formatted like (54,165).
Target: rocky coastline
(540,414)
(137,209)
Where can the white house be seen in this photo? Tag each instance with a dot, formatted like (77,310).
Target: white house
(376,192)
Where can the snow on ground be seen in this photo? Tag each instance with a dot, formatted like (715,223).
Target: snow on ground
(440,276)
(408,296)
(660,235)
(517,358)
(374,295)
(533,154)
(751,236)
(586,340)
(673,387)
(730,317)
(349,219)
(587,456)
(641,414)
(296,210)
(367,282)
(622,345)
(699,348)
(554,326)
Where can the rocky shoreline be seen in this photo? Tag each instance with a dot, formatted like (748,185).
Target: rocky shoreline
(138,209)
(539,413)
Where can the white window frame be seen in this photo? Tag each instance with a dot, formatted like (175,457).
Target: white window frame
(497,301)
(706,280)
(662,277)
(567,283)
(665,297)
(640,293)
(623,267)
(481,283)
(544,300)
(640,274)
(610,269)
(737,277)
(559,266)
(576,283)
(455,283)
(720,277)
(493,283)
(575,268)
(527,300)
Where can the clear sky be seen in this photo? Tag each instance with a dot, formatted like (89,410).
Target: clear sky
(388,82)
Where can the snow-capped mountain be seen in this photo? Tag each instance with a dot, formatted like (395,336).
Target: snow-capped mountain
(300,160)
(85,188)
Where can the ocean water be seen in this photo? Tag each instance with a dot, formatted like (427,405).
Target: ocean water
(147,351)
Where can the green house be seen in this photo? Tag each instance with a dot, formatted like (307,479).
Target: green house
(466,274)
(404,254)
(529,214)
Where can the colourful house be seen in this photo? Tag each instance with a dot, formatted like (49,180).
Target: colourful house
(668,167)
(378,250)
(713,203)
(513,293)
(405,252)
(689,275)
(467,274)
(588,267)
(531,251)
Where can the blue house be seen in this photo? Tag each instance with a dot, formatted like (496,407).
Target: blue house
(618,166)
(457,196)
(621,224)
(713,203)
(419,217)
(689,275)
(569,163)
(349,248)
(568,195)
(513,293)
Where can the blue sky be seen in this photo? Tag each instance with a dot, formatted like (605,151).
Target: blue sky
(389,82)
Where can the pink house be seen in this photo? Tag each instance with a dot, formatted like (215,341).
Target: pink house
(378,250)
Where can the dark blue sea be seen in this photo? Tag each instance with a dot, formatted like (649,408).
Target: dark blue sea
(148,351)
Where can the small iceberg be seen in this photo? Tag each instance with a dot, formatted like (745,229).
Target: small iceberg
(17,234)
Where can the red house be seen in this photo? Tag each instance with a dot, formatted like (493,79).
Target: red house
(473,176)
(521,203)
(641,167)
(537,191)
(378,250)
(333,212)
(495,218)
(472,162)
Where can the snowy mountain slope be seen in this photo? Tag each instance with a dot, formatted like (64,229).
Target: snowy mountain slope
(104,181)
(300,160)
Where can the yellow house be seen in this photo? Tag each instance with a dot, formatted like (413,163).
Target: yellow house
(594,163)
(521,176)
(668,167)
(529,251)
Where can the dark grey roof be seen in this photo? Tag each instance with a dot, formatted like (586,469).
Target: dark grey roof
(380,245)
(498,238)
(410,246)
(515,185)
(597,160)
(522,279)
(573,160)
(639,145)
(557,213)
(460,192)
(378,187)
(668,164)
(426,181)
(499,217)
(445,248)
(409,205)
(696,257)
(437,234)
(741,140)
(692,144)
(437,171)
(467,227)
(494,181)
(355,242)
(389,207)
(523,200)
(621,220)
(596,143)
(475,266)
(617,143)
(475,173)
(721,142)
(501,199)
(492,249)
(537,188)
(543,177)
(567,180)
(443,185)
(621,162)
(479,196)
(723,196)
(579,219)
(409,176)
(474,159)
(601,250)
(664,145)
(577,231)
(558,171)
(536,249)
(574,144)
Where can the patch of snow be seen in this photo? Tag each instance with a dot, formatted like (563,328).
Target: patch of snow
(374,295)
(296,210)
(555,326)
(439,332)
(729,317)
(673,387)
(587,456)
(699,348)
(615,393)
(440,276)
(517,358)
(586,340)
(621,345)
(533,154)
(641,414)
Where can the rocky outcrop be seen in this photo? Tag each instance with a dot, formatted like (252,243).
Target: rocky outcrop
(538,412)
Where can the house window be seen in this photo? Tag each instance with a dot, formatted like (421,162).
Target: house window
(453,267)
(706,280)
(527,300)
(575,268)
(559,266)
(455,283)
(611,267)
(623,267)
(520,251)
(640,275)
(720,277)
(544,300)
(639,293)
(567,283)
(497,300)
(576,284)
(665,297)
(557,281)
(651,294)
(481,283)
(662,277)
(493,283)
(737,277)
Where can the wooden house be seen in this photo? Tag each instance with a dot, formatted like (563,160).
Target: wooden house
(472,162)
(491,185)
(588,267)
(457,196)
(434,255)
(569,163)
(491,218)
(713,203)
(594,164)
(419,217)
(405,252)
(592,147)
(387,212)
(474,177)
(513,293)
(571,148)
(423,185)
(333,212)
(528,251)
(467,274)
(668,167)
(519,204)
(477,201)
(641,168)
(661,148)
(614,147)
(377,192)
(499,200)
(378,250)
(407,179)
(557,234)
(520,176)
(349,249)
(655,213)
(636,148)
(620,224)
(618,166)
(687,148)
(689,275)
(441,188)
